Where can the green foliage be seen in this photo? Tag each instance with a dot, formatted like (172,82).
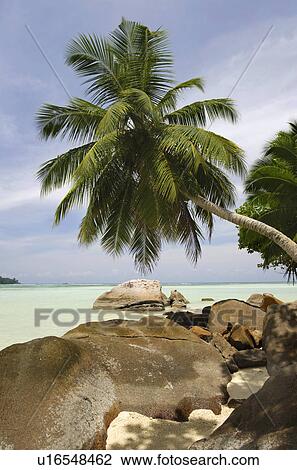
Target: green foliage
(272,193)
(140,160)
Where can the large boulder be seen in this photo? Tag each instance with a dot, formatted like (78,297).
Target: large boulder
(139,294)
(266,420)
(62,393)
(263,301)
(54,394)
(280,337)
(233,311)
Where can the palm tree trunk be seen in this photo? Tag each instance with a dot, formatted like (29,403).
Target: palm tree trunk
(284,242)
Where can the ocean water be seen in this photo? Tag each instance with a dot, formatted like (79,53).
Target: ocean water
(65,306)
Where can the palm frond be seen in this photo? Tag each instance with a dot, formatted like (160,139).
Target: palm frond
(92,57)
(97,157)
(189,232)
(115,118)
(201,112)
(169,101)
(145,247)
(59,171)
(180,139)
(119,227)
(78,121)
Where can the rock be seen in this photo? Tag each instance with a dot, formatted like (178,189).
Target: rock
(136,292)
(227,351)
(177,300)
(165,299)
(240,337)
(266,420)
(250,358)
(144,306)
(268,300)
(206,310)
(235,403)
(62,393)
(207,299)
(280,337)
(187,319)
(54,394)
(201,332)
(235,311)
(177,305)
(263,301)
(256,299)
(152,369)
(257,337)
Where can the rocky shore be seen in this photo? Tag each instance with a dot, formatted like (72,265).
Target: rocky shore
(223,378)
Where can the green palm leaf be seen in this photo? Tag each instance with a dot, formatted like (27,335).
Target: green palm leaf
(59,171)
(169,101)
(201,112)
(78,121)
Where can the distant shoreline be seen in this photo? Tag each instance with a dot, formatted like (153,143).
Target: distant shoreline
(172,283)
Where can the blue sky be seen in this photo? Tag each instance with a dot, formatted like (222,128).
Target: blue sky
(213,39)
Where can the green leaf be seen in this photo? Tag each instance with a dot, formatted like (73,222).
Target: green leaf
(201,112)
(78,121)
(168,102)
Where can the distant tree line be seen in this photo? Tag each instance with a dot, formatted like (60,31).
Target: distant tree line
(8,280)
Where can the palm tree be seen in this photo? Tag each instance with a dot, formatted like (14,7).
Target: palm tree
(272,194)
(147,171)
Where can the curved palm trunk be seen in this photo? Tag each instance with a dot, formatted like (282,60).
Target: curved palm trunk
(284,242)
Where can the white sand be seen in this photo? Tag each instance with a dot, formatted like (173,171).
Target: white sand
(135,431)
(247,381)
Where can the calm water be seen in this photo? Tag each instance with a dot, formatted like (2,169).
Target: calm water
(17,304)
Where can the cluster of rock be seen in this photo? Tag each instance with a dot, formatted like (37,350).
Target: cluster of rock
(267,419)
(63,393)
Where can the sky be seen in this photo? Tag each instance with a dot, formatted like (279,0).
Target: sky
(214,39)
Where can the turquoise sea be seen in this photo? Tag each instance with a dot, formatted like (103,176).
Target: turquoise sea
(19,302)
